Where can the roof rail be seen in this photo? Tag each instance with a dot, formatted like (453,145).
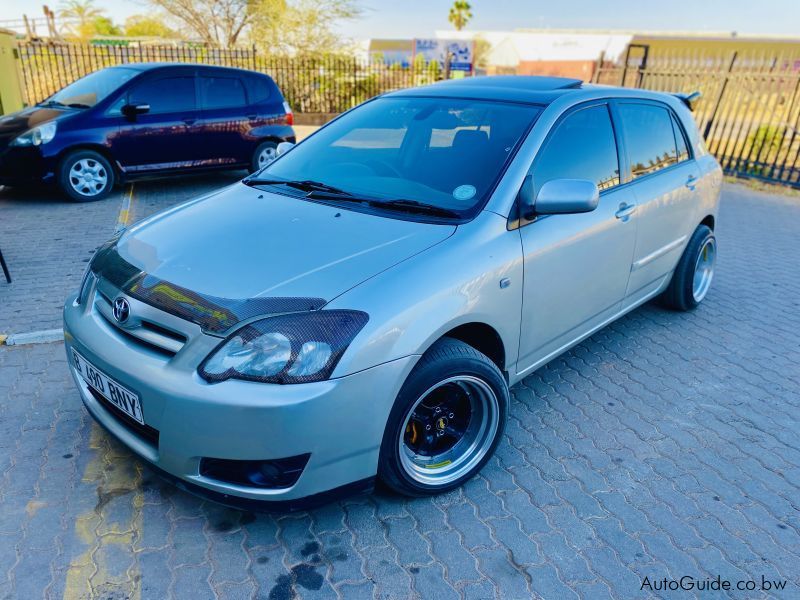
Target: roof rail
(690,100)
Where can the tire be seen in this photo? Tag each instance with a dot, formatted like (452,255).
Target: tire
(692,277)
(88,189)
(262,154)
(446,372)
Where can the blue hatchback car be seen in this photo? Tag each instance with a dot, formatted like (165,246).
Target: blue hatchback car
(138,120)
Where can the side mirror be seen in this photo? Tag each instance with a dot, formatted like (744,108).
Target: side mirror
(284,147)
(131,110)
(558,197)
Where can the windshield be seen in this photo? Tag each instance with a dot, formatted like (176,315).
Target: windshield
(89,90)
(443,152)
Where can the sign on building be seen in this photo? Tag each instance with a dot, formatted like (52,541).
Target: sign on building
(461,52)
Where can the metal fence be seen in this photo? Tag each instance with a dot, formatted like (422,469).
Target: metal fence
(749,111)
(329,84)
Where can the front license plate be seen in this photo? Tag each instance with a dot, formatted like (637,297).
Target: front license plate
(118,395)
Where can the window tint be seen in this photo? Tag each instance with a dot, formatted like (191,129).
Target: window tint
(165,95)
(649,137)
(680,140)
(581,147)
(219,92)
(258,88)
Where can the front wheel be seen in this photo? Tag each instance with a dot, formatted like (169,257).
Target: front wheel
(692,277)
(446,422)
(85,176)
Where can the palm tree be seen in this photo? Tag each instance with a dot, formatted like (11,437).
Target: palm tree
(460,14)
(79,14)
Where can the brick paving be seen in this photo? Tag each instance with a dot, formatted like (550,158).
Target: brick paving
(665,445)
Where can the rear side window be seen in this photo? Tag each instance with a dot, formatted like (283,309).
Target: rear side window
(680,140)
(165,95)
(581,147)
(259,88)
(649,138)
(221,92)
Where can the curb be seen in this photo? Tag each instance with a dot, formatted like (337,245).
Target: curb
(124,216)
(46,336)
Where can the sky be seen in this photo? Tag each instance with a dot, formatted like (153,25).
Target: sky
(420,18)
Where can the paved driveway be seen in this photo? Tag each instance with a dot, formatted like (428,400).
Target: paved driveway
(664,446)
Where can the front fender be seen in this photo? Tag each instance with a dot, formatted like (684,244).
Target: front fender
(416,302)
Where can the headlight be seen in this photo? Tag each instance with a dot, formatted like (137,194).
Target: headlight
(296,348)
(36,136)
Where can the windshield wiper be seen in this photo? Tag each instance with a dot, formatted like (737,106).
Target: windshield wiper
(317,190)
(305,185)
(412,206)
(57,104)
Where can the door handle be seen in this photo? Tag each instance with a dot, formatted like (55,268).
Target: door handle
(690,182)
(625,211)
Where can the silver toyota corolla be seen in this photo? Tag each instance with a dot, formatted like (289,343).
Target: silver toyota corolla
(361,306)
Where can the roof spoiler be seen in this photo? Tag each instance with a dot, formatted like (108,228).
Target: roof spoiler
(690,100)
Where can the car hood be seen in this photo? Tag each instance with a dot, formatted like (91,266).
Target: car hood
(245,243)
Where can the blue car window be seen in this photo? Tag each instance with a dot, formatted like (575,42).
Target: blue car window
(165,95)
(221,92)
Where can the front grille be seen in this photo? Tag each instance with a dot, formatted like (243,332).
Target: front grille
(145,432)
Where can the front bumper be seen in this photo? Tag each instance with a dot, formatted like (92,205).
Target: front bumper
(339,422)
(25,165)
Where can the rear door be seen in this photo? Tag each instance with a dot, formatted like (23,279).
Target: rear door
(663,176)
(576,266)
(167,136)
(226,118)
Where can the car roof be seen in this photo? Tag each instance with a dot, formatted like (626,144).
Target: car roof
(155,66)
(514,88)
(529,89)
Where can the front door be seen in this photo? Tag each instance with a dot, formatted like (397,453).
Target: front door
(576,266)
(167,136)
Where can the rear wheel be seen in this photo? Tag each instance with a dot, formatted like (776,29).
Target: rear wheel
(264,154)
(446,422)
(693,275)
(85,176)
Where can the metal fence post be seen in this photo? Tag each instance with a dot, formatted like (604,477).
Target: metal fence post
(718,101)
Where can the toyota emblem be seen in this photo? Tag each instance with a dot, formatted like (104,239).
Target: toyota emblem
(122,310)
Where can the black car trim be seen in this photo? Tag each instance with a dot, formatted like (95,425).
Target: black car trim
(213,314)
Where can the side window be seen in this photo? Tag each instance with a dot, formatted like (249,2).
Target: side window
(258,88)
(581,147)
(649,138)
(680,140)
(165,95)
(221,92)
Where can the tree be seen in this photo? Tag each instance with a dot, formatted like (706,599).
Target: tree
(79,16)
(102,25)
(300,27)
(460,14)
(216,22)
(147,26)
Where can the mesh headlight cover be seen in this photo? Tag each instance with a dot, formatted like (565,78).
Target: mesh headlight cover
(318,339)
